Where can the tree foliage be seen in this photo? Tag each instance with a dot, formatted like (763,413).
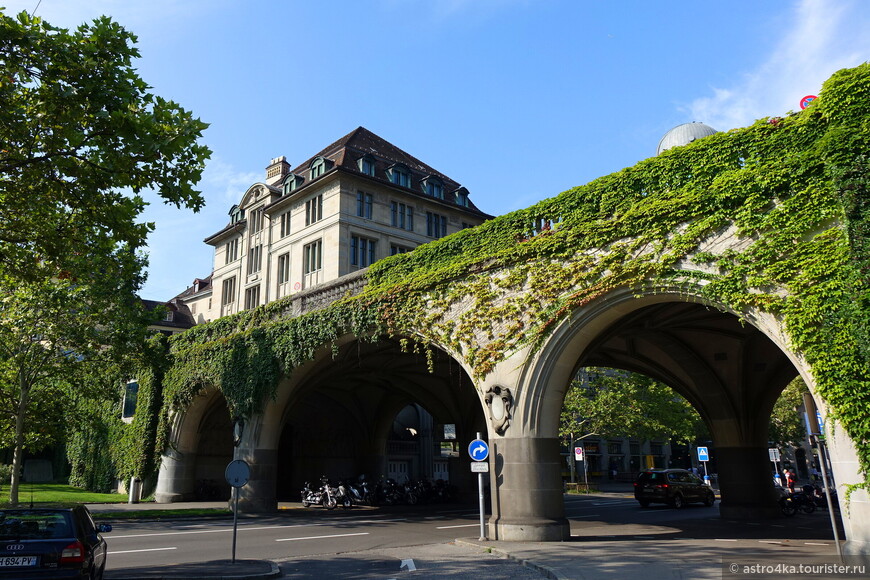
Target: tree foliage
(611,403)
(786,422)
(81,139)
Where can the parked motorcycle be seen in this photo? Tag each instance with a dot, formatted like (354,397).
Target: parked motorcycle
(325,495)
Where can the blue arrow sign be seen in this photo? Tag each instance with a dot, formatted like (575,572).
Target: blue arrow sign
(702,454)
(478,450)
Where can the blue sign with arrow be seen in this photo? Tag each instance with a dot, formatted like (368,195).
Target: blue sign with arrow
(478,450)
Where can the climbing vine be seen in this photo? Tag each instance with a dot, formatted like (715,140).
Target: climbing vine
(789,194)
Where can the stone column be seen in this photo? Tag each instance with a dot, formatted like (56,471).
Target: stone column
(746,483)
(259,495)
(175,481)
(527,502)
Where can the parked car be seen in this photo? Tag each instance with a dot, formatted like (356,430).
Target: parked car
(672,486)
(51,542)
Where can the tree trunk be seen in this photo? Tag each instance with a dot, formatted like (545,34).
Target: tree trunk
(18,460)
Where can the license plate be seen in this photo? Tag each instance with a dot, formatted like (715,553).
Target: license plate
(17,561)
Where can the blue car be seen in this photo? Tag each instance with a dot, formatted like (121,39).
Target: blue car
(51,542)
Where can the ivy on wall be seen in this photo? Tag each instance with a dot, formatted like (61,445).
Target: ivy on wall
(792,190)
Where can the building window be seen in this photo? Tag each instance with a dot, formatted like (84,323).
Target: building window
(362,251)
(367,165)
(462,197)
(434,188)
(255,259)
(400,176)
(436,225)
(313,256)
(402,216)
(228,295)
(236,214)
(256,221)
(283,268)
(285,224)
(231,251)
(131,395)
(398,250)
(318,167)
(252,297)
(290,183)
(314,210)
(364,205)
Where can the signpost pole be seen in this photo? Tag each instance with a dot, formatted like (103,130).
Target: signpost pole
(815,434)
(481,498)
(235,519)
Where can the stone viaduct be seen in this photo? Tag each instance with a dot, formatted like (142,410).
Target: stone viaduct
(722,269)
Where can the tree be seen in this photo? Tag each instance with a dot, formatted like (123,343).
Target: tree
(81,139)
(609,403)
(786,423)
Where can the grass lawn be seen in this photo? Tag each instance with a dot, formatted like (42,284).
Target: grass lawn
(58,493)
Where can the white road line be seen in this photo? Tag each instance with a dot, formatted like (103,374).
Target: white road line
(144,550)
(321,537)
(723,540)
(768,542)
(462,526)
(816,544)
(258,528)
(617,502)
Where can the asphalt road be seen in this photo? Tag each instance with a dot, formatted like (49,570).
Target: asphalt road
(382,543)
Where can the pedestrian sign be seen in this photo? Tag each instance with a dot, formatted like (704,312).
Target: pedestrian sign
(478,450)
(702,454)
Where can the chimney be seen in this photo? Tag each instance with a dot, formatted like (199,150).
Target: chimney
(277,170)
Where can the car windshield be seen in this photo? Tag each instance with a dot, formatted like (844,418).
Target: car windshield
(34,525)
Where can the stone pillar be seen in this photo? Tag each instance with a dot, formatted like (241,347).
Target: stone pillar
(175,481)
(856,511)
(746,483)
(259,495)
(527,502)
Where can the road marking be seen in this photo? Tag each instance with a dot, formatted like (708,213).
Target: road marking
(724,540)
(143,550)
(259,528)
(617,502)
(816,544)
(768,542)
(462,526)
(321,537)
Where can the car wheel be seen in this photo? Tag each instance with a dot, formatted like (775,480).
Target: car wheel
(710,499)
(643,502)
(677,501)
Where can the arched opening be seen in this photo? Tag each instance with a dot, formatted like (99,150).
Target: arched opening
(377,410)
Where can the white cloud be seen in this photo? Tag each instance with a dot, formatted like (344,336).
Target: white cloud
(824,36)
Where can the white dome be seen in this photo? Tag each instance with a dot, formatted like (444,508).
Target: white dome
(683,135)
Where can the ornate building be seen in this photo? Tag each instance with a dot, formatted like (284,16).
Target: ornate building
(352,203)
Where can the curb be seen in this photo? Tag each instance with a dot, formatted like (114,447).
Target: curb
(274,572)
(545,570)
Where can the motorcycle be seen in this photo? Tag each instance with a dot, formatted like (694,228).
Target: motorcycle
(343,495)
(325,495)
(790,504)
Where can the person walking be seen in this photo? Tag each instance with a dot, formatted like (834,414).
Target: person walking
(790,480)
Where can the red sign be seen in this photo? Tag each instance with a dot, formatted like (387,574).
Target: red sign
(805,102)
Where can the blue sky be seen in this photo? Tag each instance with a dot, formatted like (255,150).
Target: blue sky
(517,100)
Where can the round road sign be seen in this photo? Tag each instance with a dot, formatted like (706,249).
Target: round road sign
(238,472)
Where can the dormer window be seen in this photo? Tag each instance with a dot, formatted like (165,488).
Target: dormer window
(400,175)
(433,187)
(237,214)
(462,197)
(318,167)
(291,183)
(367,165)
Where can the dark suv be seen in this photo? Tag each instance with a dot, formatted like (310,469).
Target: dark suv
(674,486)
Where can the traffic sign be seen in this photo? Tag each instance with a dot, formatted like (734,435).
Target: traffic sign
(238,472)
(703,455)
(478,467)
(578,453)
(774,454)
(805,102)
(478,450)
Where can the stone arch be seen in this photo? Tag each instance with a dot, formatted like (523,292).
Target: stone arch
(200,446)
(358,387)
